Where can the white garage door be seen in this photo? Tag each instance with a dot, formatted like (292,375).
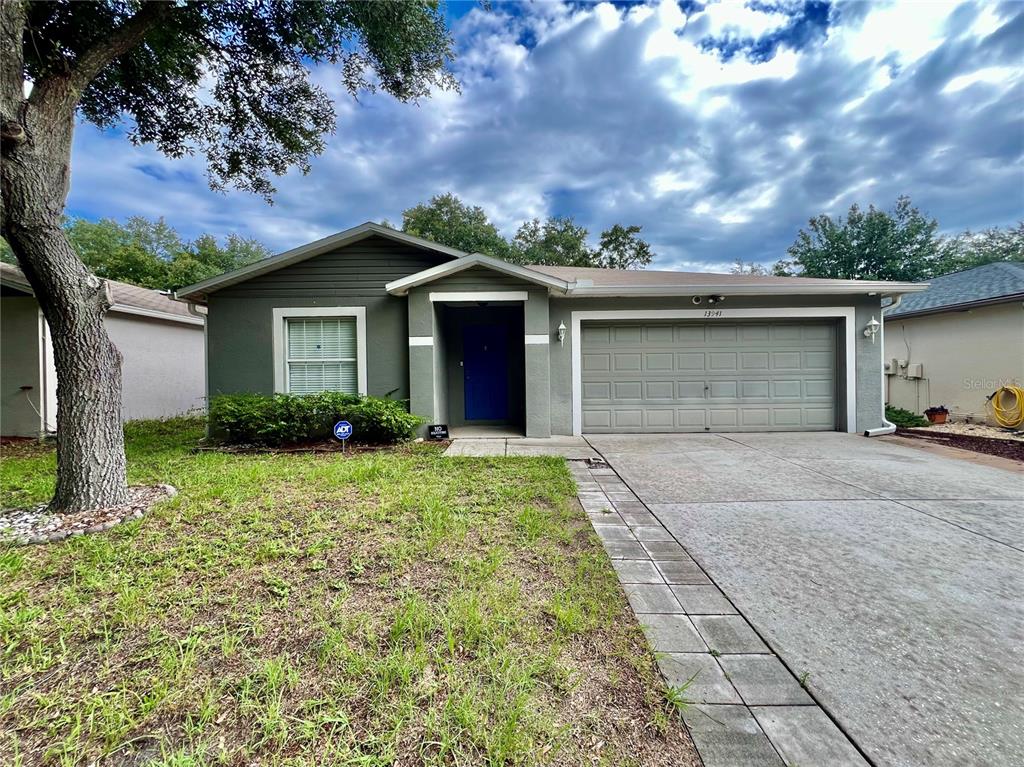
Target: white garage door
(679,376)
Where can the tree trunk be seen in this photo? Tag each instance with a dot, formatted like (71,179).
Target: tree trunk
(35,173)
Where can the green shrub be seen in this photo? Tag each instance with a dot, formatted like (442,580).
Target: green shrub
(901,417)
(283,419)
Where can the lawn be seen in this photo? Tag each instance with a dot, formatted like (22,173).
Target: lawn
(389,608)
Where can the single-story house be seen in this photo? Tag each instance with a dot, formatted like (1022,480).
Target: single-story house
(542,350)
(957,342)
(160,340)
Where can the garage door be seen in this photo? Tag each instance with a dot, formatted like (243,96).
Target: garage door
(663,377)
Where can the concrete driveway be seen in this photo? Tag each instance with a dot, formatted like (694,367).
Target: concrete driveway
(892,576)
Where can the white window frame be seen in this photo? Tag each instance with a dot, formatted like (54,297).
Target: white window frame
(845,313)
(281,317)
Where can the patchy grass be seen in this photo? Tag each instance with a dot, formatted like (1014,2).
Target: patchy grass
(391,608)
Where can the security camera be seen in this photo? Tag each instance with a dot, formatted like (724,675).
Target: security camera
(697,300)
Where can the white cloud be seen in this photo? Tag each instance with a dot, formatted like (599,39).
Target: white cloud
(620,116)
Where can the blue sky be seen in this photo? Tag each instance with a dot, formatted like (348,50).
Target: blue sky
(720,128)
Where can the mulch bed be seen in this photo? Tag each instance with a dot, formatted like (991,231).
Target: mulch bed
(327,446)
(34,524)
(1004,448)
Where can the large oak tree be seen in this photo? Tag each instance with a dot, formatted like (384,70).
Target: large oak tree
(229,79)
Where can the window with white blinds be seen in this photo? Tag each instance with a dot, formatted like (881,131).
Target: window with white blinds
(321,355)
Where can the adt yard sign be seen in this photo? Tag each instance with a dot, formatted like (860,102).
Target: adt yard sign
(342,430)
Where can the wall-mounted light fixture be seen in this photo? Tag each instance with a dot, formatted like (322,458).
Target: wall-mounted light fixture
(561,333)
(871,329)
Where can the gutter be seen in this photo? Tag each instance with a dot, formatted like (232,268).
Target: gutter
(889,428)
(886,288)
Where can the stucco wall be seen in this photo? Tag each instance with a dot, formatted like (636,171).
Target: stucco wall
(20,343)
(867,355)
(965,356)
(164,368)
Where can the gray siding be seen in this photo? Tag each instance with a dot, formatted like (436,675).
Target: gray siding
(478,278)
(240,326)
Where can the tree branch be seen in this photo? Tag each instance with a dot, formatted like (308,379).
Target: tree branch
(12,78)
(121,40)
(92,61)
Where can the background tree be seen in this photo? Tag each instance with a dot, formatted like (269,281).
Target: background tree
(900,244)
(151,254)
(449,221)
(556,241)
(970,249)
(743,267)
(229,79)
(621,248)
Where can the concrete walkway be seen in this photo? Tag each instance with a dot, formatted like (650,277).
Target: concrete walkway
(891,577)
(574,448)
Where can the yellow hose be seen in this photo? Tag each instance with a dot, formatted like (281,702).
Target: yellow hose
(1010,417)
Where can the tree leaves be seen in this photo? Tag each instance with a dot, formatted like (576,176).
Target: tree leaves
(556,241)
(232,79)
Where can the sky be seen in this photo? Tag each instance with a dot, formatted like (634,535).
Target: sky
(719,128)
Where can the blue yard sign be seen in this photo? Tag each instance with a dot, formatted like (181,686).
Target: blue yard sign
(342,430)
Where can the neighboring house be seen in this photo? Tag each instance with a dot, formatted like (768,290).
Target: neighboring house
(957,342)
(161,341)
(471,340)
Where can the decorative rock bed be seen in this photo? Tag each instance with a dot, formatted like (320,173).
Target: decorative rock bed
(35,525)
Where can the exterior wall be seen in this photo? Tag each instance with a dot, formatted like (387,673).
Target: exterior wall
(20,358)
(868,356)
(240,325)
(435,373)
(965,356)
(164,368)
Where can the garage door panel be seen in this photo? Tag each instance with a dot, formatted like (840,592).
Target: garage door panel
(690,390)
(660,390)
(626,362)
(723,389)
(659,361)
(719,361)
(660,419)
(688,376)
(690,361)
(627,390)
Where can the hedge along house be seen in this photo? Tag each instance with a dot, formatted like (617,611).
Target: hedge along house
(541,350)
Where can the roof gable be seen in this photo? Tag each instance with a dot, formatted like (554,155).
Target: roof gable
(200,290)
(989,283)
(476,260)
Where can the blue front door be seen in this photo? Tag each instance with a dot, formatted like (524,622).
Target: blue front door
(485,370)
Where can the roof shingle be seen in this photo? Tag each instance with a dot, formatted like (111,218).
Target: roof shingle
(990,282)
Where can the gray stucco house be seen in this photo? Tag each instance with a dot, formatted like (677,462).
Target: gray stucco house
(471,340)
(160,340)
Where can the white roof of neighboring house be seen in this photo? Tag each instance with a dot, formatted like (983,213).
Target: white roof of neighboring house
(127,299)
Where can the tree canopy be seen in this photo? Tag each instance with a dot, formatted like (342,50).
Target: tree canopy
(901,244)
(231,79)
(152,254)
(557,240)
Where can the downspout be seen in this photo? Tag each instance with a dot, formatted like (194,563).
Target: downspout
(889,428)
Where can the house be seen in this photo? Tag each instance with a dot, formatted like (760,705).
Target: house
(541,350)
(957,342)
(161,341)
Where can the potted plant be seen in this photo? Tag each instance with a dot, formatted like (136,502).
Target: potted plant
(937,414)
